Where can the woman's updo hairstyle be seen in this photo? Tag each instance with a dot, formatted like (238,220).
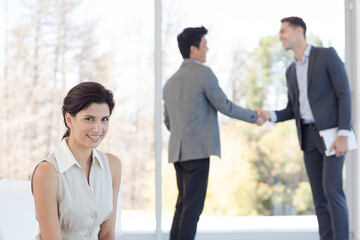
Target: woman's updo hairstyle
(82,96)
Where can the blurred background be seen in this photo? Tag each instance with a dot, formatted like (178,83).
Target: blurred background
(48,46)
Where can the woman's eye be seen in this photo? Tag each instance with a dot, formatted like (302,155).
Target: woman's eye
(89,119)
(106,119)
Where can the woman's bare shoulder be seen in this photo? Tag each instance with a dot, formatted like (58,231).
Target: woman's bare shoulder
(115,162)
(45,176)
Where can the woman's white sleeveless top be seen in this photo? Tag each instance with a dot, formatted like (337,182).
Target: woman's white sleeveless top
(83,206)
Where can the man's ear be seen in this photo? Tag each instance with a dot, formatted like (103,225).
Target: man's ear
(193,49)
(68,119)
(299,30)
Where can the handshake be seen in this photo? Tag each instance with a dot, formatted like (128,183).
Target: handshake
(263,116)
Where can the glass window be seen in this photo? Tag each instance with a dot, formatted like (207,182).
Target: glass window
(51,46)
(261,172)
(48,47)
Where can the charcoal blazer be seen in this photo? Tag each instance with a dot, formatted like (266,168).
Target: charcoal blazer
(328,92)
(192,98)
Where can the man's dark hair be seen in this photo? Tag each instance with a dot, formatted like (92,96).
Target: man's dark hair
(295,22)
(190,37)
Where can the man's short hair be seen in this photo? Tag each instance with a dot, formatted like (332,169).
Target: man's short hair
(190,37)
(295,22)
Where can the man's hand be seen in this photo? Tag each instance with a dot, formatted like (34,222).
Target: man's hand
(260,121)
(263,116)
(340,145)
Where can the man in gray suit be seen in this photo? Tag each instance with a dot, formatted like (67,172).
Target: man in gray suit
(192,98)
(318,98)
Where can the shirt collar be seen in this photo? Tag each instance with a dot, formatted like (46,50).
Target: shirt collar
(190,60)
(66,159)
(97,158)
(307,50)
(306,54)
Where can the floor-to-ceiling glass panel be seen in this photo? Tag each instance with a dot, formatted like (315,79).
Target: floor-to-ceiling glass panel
(129,30)
(261,172)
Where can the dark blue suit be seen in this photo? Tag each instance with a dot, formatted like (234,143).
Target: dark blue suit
(330,102)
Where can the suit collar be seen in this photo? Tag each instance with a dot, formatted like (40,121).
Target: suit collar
(292,69)
(293,79)
(312,57)
(307,50)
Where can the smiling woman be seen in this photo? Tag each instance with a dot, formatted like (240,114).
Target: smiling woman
(76,188)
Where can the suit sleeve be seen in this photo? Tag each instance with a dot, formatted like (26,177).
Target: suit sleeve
(220,102)
(340,82)
(166,118)
(287,113)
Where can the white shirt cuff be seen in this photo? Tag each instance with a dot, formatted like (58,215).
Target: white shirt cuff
(344,132)
(273,116)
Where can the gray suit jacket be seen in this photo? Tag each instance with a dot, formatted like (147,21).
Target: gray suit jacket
(192,97)
(328,92)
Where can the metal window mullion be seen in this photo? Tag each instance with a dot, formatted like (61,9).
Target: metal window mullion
(158,113)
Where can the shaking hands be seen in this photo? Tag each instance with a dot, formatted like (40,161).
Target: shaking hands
(263,116)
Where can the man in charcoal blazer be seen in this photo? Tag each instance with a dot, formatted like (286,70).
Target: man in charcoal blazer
(318,98)
(192,98)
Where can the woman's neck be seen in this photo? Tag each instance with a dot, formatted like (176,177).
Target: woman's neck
(81,154)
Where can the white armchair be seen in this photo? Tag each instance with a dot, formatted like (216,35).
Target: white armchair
(17,212)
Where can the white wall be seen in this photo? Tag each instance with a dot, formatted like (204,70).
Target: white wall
(352,60)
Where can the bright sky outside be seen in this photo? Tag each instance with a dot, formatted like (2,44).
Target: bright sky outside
(237,21)
(231,22)
(127,28)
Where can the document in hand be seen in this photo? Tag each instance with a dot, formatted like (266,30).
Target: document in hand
(329,136)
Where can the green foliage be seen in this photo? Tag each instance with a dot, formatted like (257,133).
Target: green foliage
(314,40)
(230,179)
(269,62)
(303,201)
(277,163)
(278,168)
(277,181)
(260,172)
